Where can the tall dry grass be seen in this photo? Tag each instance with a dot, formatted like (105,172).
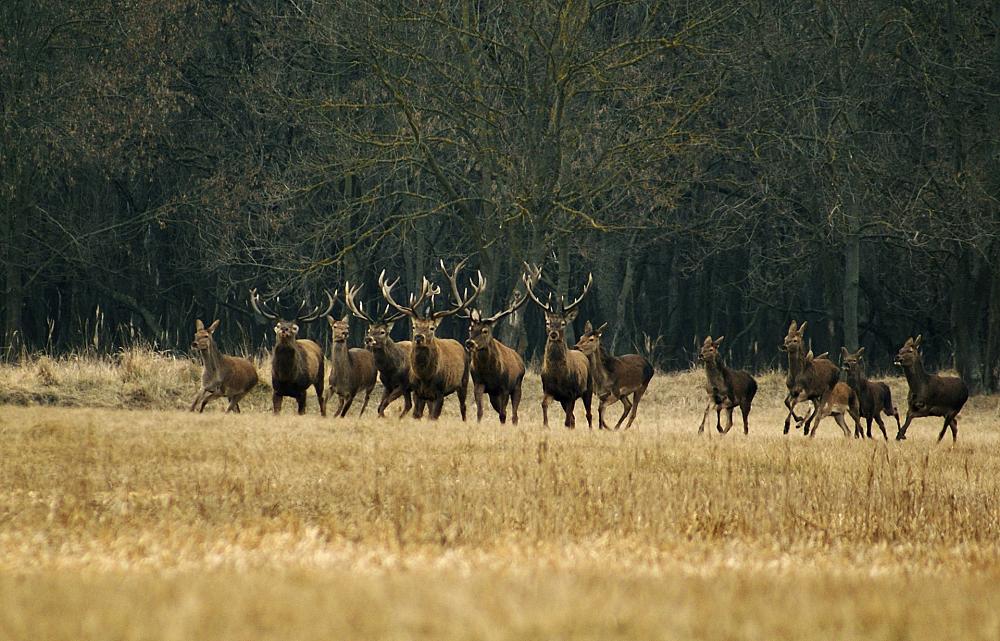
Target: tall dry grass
(160,524)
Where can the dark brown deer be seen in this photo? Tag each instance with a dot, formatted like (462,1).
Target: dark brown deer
(805,383)
(497,370)
(296,364)
(392,359)
(438,366)
(615,378)
(352,369)
(874,397)
(565,372)
(930,394)
(224,375)
(837,401)
(727,388)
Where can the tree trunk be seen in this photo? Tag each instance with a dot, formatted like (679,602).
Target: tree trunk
(852,281)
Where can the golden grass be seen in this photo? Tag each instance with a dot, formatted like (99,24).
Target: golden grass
(160,524)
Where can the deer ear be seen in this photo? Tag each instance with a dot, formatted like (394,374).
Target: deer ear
(600,330)
(708,341)
(330,320)
(844,353)
(719,340)
(214,326)
(792,327)
(861,351)
(570,316)
(388,326)
(802,327)
(918,340)
(345,319)
(809,355)
(587,327)
(198,325)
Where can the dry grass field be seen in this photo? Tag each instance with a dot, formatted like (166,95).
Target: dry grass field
(124,517)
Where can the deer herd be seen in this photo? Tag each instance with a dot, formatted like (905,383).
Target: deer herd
(427,368)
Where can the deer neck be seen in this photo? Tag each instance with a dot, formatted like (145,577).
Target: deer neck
(715,371)
(424,357)
(796,363)
(855,378)
(916,376)
(341,356)
(488,358)
(388,355)
(600,362)
(288,357)
(555,354)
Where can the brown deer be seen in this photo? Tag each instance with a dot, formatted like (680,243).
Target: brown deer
(837,400)
(224,375)
(615,378)
(296,364)
(352,370)
(930,394)
(392,359)
(874,397)
(727,388)
(565,372)
(805,383)
(438,366)
(496,369)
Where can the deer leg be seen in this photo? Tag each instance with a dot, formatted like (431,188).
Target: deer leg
(234,404)
(635,406)
(496,402)
(704,419)
(502,398)
(301,400)
(881,426)
(407,403)
(868,420)
(745,409)
(790,403)
(477,393)
(546,399)
(718,418)
(346,402)
(276,402)
(843,424)
(821,415)
(569,407)
(438,406)
(319,396)
(729,418)
(895,413)
(368,393)
(209,396)
(901,433)
(197,397)
(954,428)
(628,408)
(601,404)
(388,396)
(418,408)
(515,400)
(811,417)
(588,399)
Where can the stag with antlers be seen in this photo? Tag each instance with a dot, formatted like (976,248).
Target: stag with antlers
(565,373)
(438,366)
(392,359)
(497,370)
(296,364)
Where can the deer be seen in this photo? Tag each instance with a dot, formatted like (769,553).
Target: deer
(296,364)
(930,394)
(438,366)
(392,359)
(352,369)
(228,376)
(727,388)
(497,370)
(874,397)
(804,382)
(838,400)
(566,373)
(615,378)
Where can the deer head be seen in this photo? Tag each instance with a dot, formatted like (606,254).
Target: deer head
(481,327)
(590,341)
(556,316)
(851,363)
(203,335)
(380,328)
(909,353)
(425,323)
(286,330)
(795,338)
(709,352)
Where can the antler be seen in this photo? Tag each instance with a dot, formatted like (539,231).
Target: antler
(260,307)
(586,288)
(411,310)
(315,313)
(349,294)
(519,301)
(533,274)
(460,302)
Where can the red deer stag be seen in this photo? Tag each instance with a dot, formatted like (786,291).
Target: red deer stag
(615,378)
(392,359)
(496,369)
(805,383)
(727,388)
(930,394)
(565,372)
(224,375)
(837,400)
(296,364)
(873,396)
(352,369)
(438,366)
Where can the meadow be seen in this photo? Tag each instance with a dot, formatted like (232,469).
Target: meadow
(122,516)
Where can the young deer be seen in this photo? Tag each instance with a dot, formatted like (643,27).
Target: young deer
(224,375)
(438,366)
(565,373)
(930,394)
(352,369)
(727,388)
(614,377)
(838,400)
(392,359)
(296,364)
(874,397)
(496,369)
(804,382)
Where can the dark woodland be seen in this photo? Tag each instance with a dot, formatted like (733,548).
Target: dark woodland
(720,167)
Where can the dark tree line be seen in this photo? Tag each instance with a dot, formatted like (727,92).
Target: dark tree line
(721,167)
